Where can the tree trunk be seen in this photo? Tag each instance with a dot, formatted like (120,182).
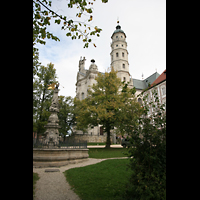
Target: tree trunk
(108,143)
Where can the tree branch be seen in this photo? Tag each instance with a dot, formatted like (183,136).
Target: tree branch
(60,16)
(51,11)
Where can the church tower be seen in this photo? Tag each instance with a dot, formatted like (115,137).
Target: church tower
(119,54)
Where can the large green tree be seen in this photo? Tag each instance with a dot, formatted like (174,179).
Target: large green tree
(42,96)
(66,115)
(107,104)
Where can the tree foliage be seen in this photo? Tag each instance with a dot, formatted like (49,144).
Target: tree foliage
(43,16)
(65,115)
(107,104)
(148,152)
(42,96)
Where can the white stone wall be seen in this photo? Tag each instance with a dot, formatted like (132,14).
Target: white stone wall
(162,97)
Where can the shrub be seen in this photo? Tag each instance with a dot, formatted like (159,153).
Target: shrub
(148,152)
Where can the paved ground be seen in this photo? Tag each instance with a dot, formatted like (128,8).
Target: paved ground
(53,185)
(103,146)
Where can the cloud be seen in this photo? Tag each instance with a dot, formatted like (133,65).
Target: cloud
(144,23)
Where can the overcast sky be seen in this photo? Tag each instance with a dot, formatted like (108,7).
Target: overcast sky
(144,23)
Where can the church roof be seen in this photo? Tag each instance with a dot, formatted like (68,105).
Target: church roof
(160,79)
(143,84)
(118,29)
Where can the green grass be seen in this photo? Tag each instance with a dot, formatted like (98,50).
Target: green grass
(102,181)
(35,178)
(107,153)
(96,143)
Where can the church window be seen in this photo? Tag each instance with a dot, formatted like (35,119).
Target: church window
(116,54)
(122,45)
(122,54)
(124,66)
(83,95)
(163,91)
(125,79)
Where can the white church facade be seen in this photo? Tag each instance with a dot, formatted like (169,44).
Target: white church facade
(119,61)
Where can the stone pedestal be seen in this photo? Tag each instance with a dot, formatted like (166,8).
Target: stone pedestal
(51,139)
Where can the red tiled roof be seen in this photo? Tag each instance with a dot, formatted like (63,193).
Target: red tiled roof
(160,79)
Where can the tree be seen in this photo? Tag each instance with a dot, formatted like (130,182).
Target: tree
(65,115)
(42,96)
(148,152)
(42,15)
(105,104)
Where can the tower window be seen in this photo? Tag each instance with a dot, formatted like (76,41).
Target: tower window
(116,54)
(121,36)
(83,95)
(122,54)
(140,101)
(125,79)
(124,66)
(117,36)
(116,45)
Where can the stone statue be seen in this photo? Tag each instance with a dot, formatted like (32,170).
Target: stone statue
(52,134)
(55,105)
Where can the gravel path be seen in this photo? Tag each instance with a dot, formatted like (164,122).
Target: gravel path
(53,185)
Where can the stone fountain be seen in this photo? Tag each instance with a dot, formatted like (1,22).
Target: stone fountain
(51,154)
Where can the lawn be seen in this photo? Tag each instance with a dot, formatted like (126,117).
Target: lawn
(35,178)
(95,143)
(107,153)
(102,181)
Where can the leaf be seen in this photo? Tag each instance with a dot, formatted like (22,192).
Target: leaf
(57,21)
(89,10)
(68,34)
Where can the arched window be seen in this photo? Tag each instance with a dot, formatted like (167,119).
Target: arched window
(116,54)
(140,101)
(123,66)
(125,79)
(83,96)
(122,54)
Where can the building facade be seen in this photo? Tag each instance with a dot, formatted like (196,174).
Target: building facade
(119,61)
(160,86)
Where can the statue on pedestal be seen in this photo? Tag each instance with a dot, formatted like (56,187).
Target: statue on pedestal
(51,138)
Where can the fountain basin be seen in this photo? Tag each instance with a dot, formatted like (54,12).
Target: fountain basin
(58,157)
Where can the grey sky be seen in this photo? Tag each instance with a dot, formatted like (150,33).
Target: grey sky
(143,21)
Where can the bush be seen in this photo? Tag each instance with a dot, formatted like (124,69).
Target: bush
(148,165)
